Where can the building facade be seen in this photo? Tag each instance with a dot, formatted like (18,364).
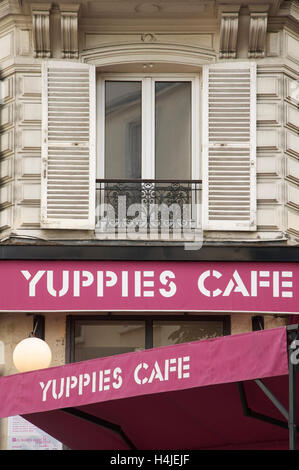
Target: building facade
(115,108)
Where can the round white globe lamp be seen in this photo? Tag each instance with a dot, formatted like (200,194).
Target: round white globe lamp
(32,354)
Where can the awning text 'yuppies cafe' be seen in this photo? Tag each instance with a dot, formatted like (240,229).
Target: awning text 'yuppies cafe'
(152,286)
(221,393)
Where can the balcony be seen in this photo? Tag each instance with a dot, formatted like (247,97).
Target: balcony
(148,209)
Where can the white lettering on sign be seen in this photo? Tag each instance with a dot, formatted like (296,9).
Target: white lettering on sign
(164,278)
(258,279)
(143,282)
(177,368)
(102,380)
(32,283)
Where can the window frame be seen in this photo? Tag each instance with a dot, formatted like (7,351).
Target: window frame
(61,214)
(147,319)
(148,119)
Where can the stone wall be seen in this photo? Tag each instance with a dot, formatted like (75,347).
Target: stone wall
(106,42)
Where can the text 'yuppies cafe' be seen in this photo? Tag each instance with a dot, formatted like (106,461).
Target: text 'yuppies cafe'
(155,286)
(159,396)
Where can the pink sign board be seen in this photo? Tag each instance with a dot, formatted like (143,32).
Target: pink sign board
(36,286)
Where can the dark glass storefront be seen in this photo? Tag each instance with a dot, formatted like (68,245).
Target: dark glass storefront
(99,336)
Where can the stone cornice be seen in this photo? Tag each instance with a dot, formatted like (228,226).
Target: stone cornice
(290,8)
(111,55)
(24,6)
(10,22)
(287,17)
(273,5)
(13,67)
(10,7)
(287,68)
(117,25)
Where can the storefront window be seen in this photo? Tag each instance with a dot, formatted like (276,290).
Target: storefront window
(92,337)
(175,332)
(107,338)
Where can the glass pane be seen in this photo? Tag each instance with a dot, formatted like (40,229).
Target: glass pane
(173,130)
(175,332)
(107,338)
(122,129)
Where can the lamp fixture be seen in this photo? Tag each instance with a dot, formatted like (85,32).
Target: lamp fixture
(32,353)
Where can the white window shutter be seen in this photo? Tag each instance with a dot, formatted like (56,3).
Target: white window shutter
(68,146)
(229,146)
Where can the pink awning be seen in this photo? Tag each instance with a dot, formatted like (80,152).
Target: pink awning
(185,396)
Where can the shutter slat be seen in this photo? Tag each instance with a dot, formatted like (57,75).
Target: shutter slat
(68,177)
(229,147)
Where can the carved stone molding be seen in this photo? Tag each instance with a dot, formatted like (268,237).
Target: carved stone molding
(41,29)
(257,31)
(10,7)
(229,31)
(69,30)
(148,37)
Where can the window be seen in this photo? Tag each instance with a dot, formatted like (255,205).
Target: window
(99,336)
(149,128)
(148,152)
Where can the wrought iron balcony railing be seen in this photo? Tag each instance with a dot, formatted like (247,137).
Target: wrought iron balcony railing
(148,205)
